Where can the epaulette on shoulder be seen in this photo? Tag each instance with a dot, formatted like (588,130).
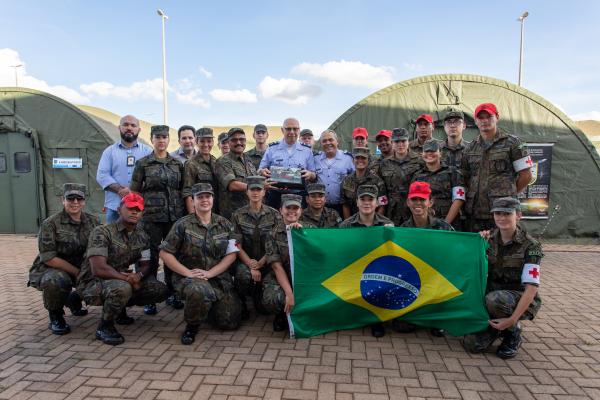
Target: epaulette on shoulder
(274,143)
(346,152)
(305,145)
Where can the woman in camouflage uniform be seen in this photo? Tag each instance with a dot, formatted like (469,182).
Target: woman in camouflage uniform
(62,243)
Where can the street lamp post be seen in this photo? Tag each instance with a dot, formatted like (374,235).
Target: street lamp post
(16,74)
(522,20)
(164,17)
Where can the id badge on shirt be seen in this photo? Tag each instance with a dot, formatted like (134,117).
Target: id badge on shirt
(130,160)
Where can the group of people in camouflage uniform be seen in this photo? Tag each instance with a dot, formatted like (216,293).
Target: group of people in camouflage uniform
(219,225)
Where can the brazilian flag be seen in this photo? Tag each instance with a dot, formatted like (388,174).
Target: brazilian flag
(348,278)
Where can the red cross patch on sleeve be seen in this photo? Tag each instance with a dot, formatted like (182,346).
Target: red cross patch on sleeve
(531,274)
(458,193)
(382,200)
(523,163)
(232,247)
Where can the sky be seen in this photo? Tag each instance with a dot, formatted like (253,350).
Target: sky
(245,62)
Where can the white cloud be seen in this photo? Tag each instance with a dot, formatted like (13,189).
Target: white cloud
(234,96)
(207,74)
(587,115)
(349,73)
(192,98)
(412,67)
(291,91)
(9,58)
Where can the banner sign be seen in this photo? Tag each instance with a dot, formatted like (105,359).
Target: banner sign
(67,162)
(535,199)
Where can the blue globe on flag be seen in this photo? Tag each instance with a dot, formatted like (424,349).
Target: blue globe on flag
(390,282)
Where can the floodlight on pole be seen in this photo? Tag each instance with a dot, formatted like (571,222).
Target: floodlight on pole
(164,17)
(521,19)
(16,73)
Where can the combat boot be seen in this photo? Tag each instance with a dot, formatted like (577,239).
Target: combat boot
(280,323)
(57,323)
(245,313)
(74,303)
(174,302)
(403,326)
(108,333)
(377,330)
(123,318)
(150,309)
(510,343)
(189,334)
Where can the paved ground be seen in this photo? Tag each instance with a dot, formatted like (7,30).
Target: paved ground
(559,360)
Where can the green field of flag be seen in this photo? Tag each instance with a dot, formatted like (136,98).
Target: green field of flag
(349,278)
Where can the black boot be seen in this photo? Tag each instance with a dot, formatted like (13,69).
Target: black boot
(74,303)
(245,312)
(174,302)
(189,334)
(437,332)
(280,323)
(108,333)
(510,343)
(403,327)
(57,323)
(123,318)
(377,330)
(150,309)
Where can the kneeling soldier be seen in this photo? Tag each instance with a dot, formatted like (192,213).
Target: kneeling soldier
(513,279)
(105,279)
(199,249)
(62,242)
(316,213)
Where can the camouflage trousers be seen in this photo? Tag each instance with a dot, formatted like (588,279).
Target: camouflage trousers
(115,294)
(499,304)
(214,299)
(242,279)
(273,298)
(156,232)
(55,285)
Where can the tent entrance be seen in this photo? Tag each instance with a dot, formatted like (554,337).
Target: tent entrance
(19,211)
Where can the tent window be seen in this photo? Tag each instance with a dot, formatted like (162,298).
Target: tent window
(2,163)
(22,162)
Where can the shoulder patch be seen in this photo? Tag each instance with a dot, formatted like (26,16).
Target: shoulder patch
(305,145)
(274,143)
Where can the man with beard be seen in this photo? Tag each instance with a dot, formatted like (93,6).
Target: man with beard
(116,165)
(186,135)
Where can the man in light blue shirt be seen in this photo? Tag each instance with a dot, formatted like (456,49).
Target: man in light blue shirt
(186,135)
(116,165)
(332,165)
(288,153)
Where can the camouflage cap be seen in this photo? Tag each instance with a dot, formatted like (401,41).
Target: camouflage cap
(223,137)
(159,130)
(367,190)
(454,114)
(506,204)
(204,133)
(233,131)
(74,189)
(199,188)
(431,145)
(360,152)
(255,181)
(291,200)
(315,188)
(260,128)
(399,134)
(306,132)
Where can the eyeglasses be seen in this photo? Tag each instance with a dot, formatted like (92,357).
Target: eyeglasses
(237,139)
(453,121)
(74,199)
(291,128)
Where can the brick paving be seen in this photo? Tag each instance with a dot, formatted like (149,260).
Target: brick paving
(560,358)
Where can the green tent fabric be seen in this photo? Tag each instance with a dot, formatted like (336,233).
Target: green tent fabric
(57,129)
(575,174)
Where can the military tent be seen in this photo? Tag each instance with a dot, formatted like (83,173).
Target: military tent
(567,157)
(45,142)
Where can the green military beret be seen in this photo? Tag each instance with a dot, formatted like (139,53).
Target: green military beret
(159,130)
(74,189)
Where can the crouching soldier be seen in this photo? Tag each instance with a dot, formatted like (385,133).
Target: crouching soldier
(513,279)
(199,249)
(105,278)
(62,242)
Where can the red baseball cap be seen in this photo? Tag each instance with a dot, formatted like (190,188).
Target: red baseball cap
(489,107)
(420,190)
(360,131)
(384,132)
(133,200)
(426,117)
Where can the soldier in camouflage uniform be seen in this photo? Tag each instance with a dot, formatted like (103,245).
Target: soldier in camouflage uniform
(158,177)
(361,176)
(454,146)
(494,165)
(366,200)
(513,279)
(260,135)
(232,170)
(419,203)
(316,213)
(446,183)
(200,249)
(424,131)
(105,279)
(223,143)
(384,144)
(62,241)
(278,297)
(252,225)
(200,169)
(396,172)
